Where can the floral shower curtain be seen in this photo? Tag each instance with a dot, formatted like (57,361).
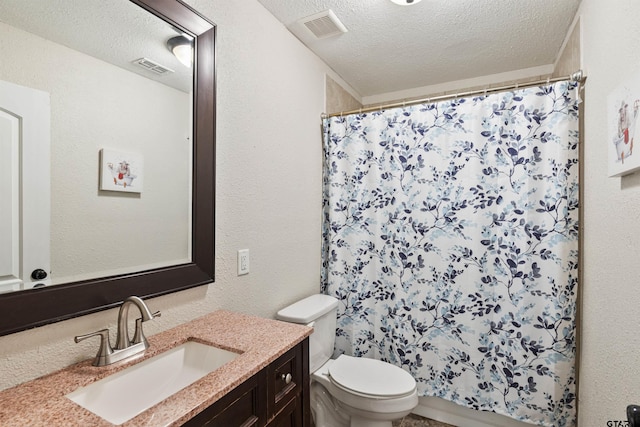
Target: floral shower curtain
(451,240)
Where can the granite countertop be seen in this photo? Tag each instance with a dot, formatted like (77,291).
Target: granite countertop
(42,402)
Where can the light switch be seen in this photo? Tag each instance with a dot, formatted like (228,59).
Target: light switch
(243,262)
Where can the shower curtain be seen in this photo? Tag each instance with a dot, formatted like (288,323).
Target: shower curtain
(450,237)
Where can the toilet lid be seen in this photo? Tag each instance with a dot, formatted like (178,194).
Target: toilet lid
(371,377)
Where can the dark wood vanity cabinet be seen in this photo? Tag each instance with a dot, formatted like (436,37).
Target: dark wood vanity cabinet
(277,396)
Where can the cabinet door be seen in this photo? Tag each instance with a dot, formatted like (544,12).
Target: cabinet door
(289,416)
(244,406)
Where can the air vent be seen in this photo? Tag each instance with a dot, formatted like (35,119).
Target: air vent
(153,66)
(324,24)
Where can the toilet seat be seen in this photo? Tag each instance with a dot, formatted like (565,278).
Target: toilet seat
(370,378)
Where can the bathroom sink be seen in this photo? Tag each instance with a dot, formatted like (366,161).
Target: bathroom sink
(123,395)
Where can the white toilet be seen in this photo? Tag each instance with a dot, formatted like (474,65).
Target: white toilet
(348,391)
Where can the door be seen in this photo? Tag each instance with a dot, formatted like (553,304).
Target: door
(24,187)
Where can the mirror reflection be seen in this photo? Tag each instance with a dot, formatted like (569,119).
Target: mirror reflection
(120,141)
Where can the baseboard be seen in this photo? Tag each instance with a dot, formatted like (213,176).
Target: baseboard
(451,413)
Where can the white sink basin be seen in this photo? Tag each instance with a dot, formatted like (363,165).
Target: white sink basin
(121,396)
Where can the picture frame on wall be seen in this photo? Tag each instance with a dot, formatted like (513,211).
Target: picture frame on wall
(623,119)
(121,171)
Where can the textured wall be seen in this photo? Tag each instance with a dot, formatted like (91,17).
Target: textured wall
(270,98)
(610,354)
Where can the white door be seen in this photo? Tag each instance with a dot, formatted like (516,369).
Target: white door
(24,187)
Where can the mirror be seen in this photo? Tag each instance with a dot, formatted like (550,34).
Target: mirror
(35,307)
(119,106)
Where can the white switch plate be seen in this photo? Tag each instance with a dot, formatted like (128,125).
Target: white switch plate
(243,262)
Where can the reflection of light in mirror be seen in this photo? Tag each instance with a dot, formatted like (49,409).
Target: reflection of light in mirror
(406,2)
(181,48)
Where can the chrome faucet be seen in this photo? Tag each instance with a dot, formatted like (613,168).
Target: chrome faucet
(125,347)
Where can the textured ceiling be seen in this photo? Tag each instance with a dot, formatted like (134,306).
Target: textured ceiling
(389,48)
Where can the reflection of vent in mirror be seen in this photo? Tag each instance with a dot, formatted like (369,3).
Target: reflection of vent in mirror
(152,66)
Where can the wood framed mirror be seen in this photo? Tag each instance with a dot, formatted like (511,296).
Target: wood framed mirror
(36,307)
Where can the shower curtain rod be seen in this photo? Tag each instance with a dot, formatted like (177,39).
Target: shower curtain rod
(578,76)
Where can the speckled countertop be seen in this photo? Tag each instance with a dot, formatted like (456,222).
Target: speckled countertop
(42,402)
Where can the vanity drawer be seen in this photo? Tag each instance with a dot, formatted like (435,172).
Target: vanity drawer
(284,379)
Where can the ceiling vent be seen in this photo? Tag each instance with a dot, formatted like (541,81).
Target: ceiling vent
(153,66)
(324,24)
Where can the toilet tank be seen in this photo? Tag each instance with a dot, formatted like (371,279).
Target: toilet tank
(318,311)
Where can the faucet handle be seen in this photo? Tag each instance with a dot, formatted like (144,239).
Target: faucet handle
(105,349)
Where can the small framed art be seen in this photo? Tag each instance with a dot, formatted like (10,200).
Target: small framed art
(120,171)
(623,120)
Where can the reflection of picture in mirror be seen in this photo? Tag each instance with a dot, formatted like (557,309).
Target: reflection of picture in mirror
(121,171)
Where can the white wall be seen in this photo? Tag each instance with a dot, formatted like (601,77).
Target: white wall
(270,97)
(610,357)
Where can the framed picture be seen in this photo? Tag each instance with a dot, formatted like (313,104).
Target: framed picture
(120,171)
(623,114)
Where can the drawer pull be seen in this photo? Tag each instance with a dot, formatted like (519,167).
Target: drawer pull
(286,378)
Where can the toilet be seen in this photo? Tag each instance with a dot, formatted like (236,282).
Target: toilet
(348,391)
